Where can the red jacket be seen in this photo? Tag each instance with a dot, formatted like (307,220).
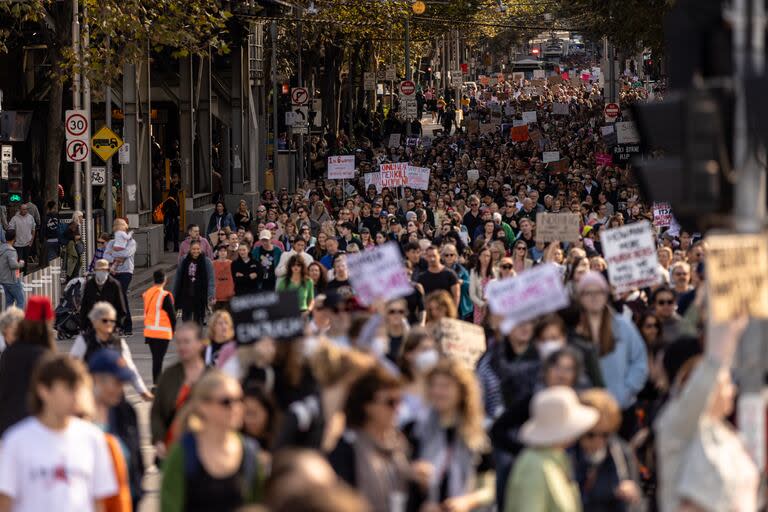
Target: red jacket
(225,285)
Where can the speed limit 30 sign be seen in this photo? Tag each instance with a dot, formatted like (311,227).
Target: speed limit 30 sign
(78,130)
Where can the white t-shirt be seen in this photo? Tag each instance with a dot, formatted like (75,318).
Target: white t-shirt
(24,226)
(47,470)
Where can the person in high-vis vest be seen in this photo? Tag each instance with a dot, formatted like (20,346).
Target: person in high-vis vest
(159,321)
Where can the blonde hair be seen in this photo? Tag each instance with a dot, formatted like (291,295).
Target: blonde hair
(189,419)
(470,406)
(119,224)
(444,300)
(221,313)
(331,363)
(606,405)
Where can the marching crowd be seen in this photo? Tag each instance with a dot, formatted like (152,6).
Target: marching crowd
(613,403)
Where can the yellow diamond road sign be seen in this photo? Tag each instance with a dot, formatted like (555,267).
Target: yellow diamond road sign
(106,143)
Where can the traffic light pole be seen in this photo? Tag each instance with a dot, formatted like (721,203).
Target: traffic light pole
(89,231)
(408,75)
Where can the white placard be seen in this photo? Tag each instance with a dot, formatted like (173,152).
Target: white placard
(631,256)
(535,292)
(373,178)
(606,130)
(378,274)
(393,175)
(550,156)
(341,167)
(394,140)
(626,133)
(529,117)
(539,73)
(98,176)
(519,122)
(473,174)
(560,109)
(417,177)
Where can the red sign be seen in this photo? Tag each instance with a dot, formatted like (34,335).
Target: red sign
(612,110)
(407,88)
(520,133)
(299,95)
(77,150)
(465,68)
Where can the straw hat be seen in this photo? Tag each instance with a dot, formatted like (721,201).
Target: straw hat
(557,417)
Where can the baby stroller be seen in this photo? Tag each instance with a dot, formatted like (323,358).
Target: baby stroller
(68,311)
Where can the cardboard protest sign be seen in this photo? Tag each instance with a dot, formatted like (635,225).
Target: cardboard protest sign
(535,292)
(662,215)
(560,109)
(394,140)
(626,133)
(737,276)
(539,73)
(266,314)
(393,175)
(378,274)
(373,178)
(520,133)
(417,177)
(488,128)
(536,135)
(603,159)
(518,76)
(550,156)
(529,117)
(473,174)
(563,227)
(559,167)
(462,341)
(341,167)
(555,80)
(631,256)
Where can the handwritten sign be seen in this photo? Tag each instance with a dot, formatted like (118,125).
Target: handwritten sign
(341,167)
(373,178)
(266,314)
(520,133)
(378,274)
(535,292)
(563,227)
(473,174)
(417,177)
(603,159)
(550,156)
(393,175)
(394,140)
(737,276)
(560,109)
(662,215)
(461,340)
(529,117)
(626,133)
(539,73)
(631,257)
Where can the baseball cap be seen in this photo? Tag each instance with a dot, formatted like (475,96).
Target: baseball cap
(38,309)
(110,362)
(265,235)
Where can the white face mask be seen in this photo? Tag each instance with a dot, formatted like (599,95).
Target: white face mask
(101,276)
(379,346)
(426,360)
(548,347)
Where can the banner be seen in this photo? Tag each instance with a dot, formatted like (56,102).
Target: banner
(341,167)
(417,177)
(561,227)
(662,215)
(539,73)
(461,340)
(631,256)
(535,292)
(260,315)
(393,175)
(737,276)
(378,274)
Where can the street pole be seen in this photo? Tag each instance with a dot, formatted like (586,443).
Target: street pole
(458,68)
(273,33)
(408,74)
(88,238)
(78,203)
(301,84)
(108,207)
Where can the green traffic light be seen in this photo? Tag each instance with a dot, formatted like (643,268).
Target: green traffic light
(14,198)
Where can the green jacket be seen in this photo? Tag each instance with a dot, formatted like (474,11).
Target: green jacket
(541,482)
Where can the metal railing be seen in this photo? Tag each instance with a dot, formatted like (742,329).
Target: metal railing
(46,282)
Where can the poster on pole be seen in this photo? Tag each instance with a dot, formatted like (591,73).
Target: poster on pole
(393,174)
(631,256)
(378,274)
(662,215)
(266,314)
(341,167)
(417,177)
(737,276)
(550,156)
(535,292)
(460,340)
(561,227)
(373,178)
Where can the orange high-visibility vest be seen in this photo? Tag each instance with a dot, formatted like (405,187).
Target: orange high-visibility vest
(157,324)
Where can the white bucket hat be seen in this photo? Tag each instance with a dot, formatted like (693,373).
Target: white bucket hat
(557,417)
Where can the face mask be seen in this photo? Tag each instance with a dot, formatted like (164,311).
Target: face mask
(426,360)
(101,276)
(379,346)
(548,347)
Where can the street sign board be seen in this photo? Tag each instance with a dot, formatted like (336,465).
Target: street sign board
(407,88)
(77,150)
(299,96)
(98,176)
(612,112)
(300,119)
(457,80)
(7,154)
(124,154)
(106,143)
(369,81)
(391,73)
(76,125)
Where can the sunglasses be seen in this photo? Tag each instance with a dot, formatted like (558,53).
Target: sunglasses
(506,267)
(449,255)
(664,302)
(521,248)
(396,312)
(228,401)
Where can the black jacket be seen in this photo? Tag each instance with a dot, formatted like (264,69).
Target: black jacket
(16,365)
(110,292)
(244,284)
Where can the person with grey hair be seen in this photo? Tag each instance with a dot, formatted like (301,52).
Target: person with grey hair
(9,319)
(102,335)
(102,287)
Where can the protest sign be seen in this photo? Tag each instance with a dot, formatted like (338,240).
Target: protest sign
(426,142)
(560,166)
(417,177)
(266,314)
(394,140)
(662,215)
(539,73)
(550,156)
(555,80)
(563,227)
(520,133)
(488,128)
(519,122)
(341,167)
(393,175)
(737,276)
(529,117)
(560,109)
(378,274)
(536,135)
(631,256)
(603,159)
(473,174)
(626,133)
(473,126)
(518,76)
(373,178)
(412,141)
(535,292)
(462,341)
